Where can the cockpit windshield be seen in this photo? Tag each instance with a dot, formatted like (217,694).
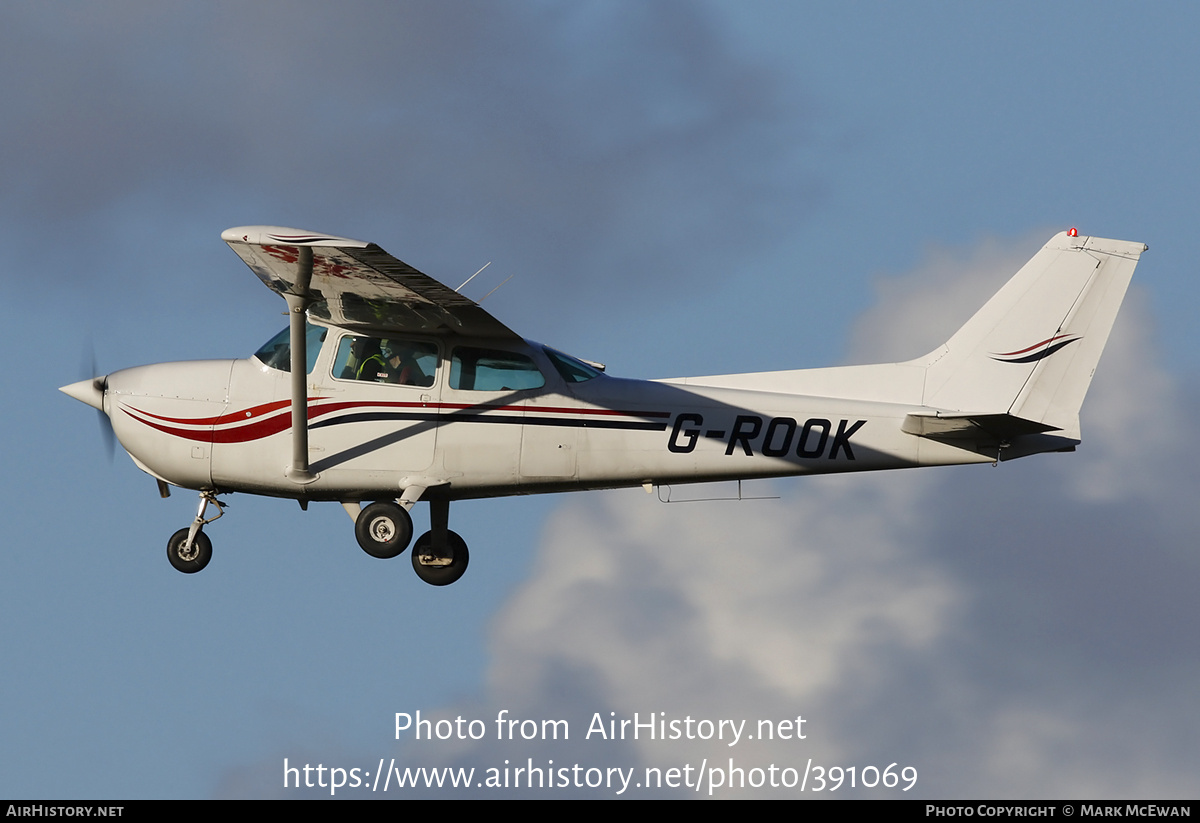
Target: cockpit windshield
(276,353)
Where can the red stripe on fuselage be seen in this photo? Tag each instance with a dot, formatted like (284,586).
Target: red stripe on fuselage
(266,426)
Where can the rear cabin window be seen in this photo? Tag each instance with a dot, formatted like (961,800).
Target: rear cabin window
(473,369)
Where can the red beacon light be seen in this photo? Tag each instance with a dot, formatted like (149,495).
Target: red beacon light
(1073,232)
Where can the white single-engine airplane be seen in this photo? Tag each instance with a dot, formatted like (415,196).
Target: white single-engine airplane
(388,386)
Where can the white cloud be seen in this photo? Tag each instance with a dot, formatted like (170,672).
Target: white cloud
(794,595)
(1132,421)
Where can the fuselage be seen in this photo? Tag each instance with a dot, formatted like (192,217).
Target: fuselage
(480,418)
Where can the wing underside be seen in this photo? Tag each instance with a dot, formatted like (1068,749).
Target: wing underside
(358,285)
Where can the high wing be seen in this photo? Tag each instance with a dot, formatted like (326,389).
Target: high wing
(357,285)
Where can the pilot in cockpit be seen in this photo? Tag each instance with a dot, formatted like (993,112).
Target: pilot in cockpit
(371,365)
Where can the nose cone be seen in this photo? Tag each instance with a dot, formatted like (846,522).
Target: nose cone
(88,391)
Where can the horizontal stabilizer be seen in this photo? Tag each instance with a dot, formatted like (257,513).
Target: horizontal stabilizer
(952,426)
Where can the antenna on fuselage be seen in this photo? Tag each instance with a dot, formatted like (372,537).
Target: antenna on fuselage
(493,291)
(472,277)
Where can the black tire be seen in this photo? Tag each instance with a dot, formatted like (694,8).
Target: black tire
(196,559)
(383,530)
(441,575)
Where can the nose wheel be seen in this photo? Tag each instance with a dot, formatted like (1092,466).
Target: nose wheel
(189,558)
(189,550)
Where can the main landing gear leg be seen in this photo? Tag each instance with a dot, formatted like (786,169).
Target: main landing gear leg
(189,550)
(439,556)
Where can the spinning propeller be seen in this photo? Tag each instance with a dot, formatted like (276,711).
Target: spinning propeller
(91,390)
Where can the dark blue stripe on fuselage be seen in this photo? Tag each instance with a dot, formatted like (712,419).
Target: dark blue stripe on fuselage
(460,417)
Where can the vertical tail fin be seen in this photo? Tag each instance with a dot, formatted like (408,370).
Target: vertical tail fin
(1031,351)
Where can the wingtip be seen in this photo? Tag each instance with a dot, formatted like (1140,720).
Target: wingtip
(281,235)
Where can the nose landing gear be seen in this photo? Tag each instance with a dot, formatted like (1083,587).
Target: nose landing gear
(189,550)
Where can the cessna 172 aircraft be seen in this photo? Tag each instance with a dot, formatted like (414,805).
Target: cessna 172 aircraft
(388,388)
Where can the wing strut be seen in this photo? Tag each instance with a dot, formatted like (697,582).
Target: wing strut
(298,298)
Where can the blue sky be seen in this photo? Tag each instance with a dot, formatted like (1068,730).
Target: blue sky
(677,188)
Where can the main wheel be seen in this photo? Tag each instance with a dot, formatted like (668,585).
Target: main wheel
(193,560)
(440,571)
(383,530)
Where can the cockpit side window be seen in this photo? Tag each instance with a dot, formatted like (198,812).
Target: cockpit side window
(276,353)
(392,360)
(473,369)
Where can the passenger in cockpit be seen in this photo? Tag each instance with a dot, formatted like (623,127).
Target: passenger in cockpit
(402,360)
